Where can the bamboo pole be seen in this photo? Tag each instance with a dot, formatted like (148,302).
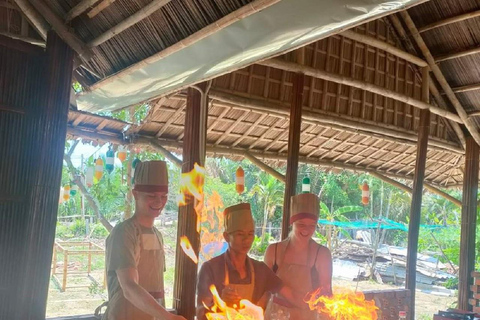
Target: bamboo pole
(445,195)
(397,25)
(427,186)
(100,7)
(80,8)
(468,224)
(415,211)
(471,126)
(470,87)
(443,104)
(382,45)
(71,39)
(349,124)
(320,74)
(224,22)
(457,55)
(154,143)
(65,270)
(391,181)
(37,21)
(264,167)
(441,23)
(138,16)
(33,41)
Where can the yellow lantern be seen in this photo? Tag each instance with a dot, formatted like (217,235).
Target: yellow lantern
(240,180)
(122,153)
(99,169)
(66,193)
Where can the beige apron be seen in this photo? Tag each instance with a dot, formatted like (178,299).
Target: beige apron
(150,267)
(245,291)
(298,278)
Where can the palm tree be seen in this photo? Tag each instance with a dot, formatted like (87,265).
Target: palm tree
(336,215)
(270,193)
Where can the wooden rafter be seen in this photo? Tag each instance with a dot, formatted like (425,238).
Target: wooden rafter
(441,23)
(312,72)
(440,77)
(456,55)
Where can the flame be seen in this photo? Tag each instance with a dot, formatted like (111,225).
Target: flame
(187,248)
(220,310)
(191,186)
(343,305)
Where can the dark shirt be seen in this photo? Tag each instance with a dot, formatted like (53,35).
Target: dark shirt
(213,272)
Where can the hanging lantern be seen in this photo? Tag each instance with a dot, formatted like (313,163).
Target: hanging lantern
(99,169)
(110,159)
(66,193)
(89,176)
(60,197)
(365,193)
(134,164)
(306,185)
(73,190)
(122,153)
(240,180)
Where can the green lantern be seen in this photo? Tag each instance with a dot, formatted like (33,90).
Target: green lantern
(306,185)
(73,190)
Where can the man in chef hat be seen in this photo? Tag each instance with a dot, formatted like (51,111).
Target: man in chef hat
(236,275)
(135,259)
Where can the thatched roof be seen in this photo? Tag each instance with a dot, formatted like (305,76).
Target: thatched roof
(367,127)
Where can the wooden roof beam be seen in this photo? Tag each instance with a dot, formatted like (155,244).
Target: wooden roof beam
(36,19)
(397,25)
(80,8)
(100,7)
(342,123)
(467,88)
(450,20)
(471,126)
(138,16)
(56,22)
(320,74)
(457,55)
(382,45)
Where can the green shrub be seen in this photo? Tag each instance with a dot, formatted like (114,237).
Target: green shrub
(98,231)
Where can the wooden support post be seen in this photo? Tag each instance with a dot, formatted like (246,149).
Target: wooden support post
(54,262)
(469,217)
(193,152)
(89,258)
(293,148)
(415,210)
(65,270)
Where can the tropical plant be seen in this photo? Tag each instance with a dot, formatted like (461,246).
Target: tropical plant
(335,215)
(269,192)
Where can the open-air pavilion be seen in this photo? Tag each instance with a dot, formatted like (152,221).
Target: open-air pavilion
(388,88)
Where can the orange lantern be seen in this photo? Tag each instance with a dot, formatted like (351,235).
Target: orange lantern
(240,180)
(121,153)
(66,193)
(99,169)
(365,193)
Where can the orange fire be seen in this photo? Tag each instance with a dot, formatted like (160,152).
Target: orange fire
(191,186)
(187,248)
(343,305)
(220,310)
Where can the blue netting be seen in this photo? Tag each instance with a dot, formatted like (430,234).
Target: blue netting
(375,224)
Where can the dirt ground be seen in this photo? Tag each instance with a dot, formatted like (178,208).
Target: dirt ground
(82,301)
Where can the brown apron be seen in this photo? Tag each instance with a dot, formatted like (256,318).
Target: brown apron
(245,291)
(150,267)
(298,278)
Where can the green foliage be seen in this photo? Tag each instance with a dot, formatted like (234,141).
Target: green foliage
(98,231)
(78,228)
(260,245)
(451,283)
(62,231)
